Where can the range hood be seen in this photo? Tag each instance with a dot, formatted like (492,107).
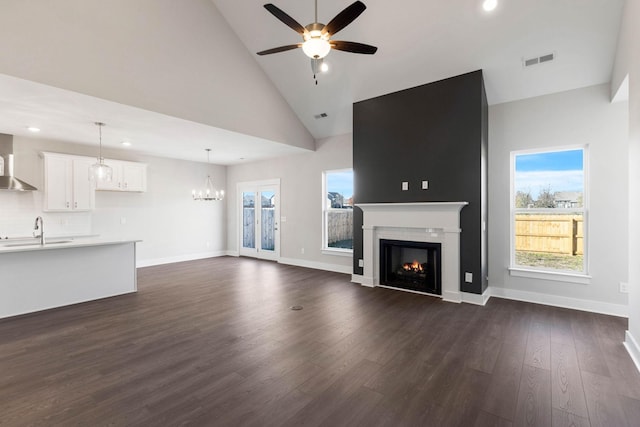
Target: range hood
(7,180)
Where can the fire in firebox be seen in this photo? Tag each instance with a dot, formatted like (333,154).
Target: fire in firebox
(414,266)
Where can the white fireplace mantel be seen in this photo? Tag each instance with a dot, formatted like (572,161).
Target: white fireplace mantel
(435,222)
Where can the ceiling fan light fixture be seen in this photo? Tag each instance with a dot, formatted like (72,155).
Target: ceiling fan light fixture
(316,47)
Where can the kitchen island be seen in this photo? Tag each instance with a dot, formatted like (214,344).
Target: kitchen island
(36,277)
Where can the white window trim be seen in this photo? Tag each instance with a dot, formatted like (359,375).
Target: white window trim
(582,277)
(326,250)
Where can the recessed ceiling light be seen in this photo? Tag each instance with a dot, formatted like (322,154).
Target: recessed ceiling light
(33,129)
(489,5)
(126,143)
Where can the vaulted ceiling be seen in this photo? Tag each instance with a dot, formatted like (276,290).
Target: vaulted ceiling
(423,41)
(177,77)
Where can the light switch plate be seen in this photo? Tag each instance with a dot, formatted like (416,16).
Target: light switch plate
(405,186)
(624,288)
(425,185)
(360,262)
(468,277)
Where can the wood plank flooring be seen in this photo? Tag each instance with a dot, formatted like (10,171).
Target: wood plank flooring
(214,342)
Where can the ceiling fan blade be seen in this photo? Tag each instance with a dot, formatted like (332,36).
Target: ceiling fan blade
(344,18)
(280,49)
(286,19)
(353,47)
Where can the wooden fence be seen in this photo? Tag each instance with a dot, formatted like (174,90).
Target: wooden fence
(339,225)
(267,241)
(557,234)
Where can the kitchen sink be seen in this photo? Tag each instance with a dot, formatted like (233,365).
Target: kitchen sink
(52,242)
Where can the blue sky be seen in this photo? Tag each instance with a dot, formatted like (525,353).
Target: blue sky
(341,182)
(560,170)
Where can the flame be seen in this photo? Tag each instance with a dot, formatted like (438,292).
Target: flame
(414,266)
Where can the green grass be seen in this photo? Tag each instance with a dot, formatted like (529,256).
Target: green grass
(553,261)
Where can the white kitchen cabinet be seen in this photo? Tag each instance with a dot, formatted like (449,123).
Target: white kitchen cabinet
(127,176)
(66,183)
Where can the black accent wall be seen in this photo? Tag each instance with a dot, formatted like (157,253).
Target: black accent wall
(435,132)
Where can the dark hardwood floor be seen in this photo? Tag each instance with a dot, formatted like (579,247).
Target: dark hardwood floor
(214,342)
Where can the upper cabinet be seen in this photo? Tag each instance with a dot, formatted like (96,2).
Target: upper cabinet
(127,176)
(66,183)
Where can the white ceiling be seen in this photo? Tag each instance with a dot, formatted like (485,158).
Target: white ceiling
(419,41)
(70,116)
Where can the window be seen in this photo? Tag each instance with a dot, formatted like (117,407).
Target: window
(337,212)
(548,211)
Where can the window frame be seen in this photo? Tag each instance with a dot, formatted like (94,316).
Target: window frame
(581,277)
(325,213)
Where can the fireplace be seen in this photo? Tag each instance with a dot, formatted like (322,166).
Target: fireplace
(422,222)
(411,265)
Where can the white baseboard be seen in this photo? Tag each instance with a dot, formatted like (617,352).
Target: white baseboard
(619,310)
(476,299)
(364,281)
(346,269)
(633,348)
(233,253)
(179,258)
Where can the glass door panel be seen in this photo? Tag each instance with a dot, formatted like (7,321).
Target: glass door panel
(248,220)
(268,220)
(259,218)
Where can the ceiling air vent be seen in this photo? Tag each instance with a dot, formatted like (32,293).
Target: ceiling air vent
(320,116)
(528,62)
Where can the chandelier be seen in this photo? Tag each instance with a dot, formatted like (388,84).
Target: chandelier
(208,193)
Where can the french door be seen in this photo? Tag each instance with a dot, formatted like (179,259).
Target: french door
(259,208)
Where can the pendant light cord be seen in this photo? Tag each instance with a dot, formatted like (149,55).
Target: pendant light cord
(100,124)
(316,11)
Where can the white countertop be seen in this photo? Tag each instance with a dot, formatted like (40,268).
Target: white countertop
(7,246)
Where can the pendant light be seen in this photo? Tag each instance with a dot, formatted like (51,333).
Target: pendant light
(99,171)
(208,193)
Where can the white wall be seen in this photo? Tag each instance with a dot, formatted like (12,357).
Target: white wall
(300,202)
(177,58)
(628,64)
(170,224)
(582,116)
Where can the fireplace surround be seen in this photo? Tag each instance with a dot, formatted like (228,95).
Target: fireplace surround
(428,222)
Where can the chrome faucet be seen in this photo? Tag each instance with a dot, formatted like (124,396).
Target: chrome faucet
(41,228)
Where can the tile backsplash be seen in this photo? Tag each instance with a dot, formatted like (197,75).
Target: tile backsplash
(18,211)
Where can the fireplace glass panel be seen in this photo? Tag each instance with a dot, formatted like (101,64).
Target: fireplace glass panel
(411,265)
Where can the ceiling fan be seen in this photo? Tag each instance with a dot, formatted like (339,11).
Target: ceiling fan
(316,37)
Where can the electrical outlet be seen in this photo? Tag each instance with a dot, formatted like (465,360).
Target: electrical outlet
(425,185)
(468,277)
(208,244)
(624,287)
(123,220)
(283,219)
(302,250)
(405,185)
(360,262)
